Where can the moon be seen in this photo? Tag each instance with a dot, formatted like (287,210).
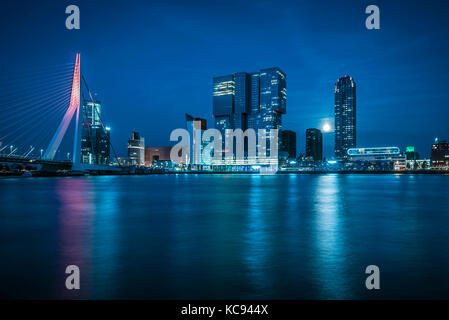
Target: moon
(326,127)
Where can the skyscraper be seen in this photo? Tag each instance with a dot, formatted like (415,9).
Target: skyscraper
(345,116)
(136,149)
(242,102)
(288,143)
(440,154)
(273,98)
(223,102)
(95,139)
(254,118)
(103,143)
(195,127)
(314,144)
(250,101)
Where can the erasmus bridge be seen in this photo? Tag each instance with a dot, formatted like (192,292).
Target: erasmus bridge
(37,111)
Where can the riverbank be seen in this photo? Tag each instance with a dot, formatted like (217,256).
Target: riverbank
(29,174)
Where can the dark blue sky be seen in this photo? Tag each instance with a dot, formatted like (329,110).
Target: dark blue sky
(151,62)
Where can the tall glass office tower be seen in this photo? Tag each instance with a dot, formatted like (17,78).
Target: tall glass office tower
(314,144)
(223,102)
(288,139)
(95,140)
(196,128)
(345,116)
(273,98)
(250,100)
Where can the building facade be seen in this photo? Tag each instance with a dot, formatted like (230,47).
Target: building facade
(158,157)
(153,154)
(136,150)
(223,102)
(314,144)
(411,154)
(345,116)
(95,139)
(377,158)
(273,98)
(288,143)
(250,101)
(196,128)
(440,154)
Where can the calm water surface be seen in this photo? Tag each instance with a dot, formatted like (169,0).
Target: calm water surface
(225,236)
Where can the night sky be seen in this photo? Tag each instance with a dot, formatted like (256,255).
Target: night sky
(152,62)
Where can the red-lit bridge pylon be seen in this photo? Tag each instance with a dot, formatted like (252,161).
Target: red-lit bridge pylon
(74,107)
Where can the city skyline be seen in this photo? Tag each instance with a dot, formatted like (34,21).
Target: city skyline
(224,156)
(390,109)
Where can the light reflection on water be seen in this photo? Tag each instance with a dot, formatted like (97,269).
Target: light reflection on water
(256,239)
(226,236)
(329,238)
(75,218)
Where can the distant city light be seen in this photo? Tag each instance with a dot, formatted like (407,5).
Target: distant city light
(108,128)
(326,127)
(332,161)
(255,167)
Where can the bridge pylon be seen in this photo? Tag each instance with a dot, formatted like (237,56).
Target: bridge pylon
(74,106)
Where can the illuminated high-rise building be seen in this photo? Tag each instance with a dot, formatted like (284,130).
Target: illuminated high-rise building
(223,103)
(195,127)
(95,139)
(345,116)
(440,154)
(136,149)
(273,98)
(250,101)
(288,143)
(314,144)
